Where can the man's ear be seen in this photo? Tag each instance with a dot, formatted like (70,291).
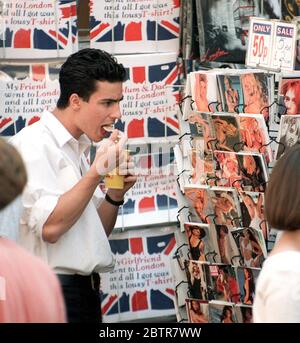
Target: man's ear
(75,102)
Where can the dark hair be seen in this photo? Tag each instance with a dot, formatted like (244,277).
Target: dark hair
(223,315)
(246,311)
(202,78)
(228,79)
(282,199)
(81,70)
(202,231)
(192,301)
(219,228)
(245,214)
(251,235)
(13,175)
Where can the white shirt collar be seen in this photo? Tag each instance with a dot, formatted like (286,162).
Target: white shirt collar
(62,135)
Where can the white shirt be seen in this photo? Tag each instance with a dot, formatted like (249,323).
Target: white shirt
(277,295)
(54,160)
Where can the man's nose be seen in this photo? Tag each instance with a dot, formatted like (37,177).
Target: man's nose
(117,112)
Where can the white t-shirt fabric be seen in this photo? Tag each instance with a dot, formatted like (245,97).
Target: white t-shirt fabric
(55,162)
(277,295)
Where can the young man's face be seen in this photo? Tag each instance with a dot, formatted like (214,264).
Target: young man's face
(102,109)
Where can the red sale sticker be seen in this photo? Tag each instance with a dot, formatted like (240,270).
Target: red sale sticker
(284,46)
(259,49)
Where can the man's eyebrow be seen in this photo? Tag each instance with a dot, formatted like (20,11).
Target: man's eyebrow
(112,100)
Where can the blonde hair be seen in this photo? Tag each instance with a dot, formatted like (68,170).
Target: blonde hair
(13,175)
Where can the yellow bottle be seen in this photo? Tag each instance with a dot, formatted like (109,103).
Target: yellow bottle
(114,180)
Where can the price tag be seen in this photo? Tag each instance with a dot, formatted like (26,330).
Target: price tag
(284,46)
(259,50)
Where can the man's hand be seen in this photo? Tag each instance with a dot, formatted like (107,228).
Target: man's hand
(126,168)
(110,154)
(108,212)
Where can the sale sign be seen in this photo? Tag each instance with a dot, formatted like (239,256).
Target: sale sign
(284,46)
(259,50)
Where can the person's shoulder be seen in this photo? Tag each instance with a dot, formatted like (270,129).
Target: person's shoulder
(30,263)
(288,260)
(281,267)
(279,277)
(27,135)
(32,138)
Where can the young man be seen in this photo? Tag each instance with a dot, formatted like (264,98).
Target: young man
(65,221)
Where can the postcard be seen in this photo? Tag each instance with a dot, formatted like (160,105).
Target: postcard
(197,311)
(251,245)
(202,241)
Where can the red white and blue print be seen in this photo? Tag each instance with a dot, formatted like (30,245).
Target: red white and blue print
(18,109)
(143,285)
(48,34)
(143,25)
(157,72)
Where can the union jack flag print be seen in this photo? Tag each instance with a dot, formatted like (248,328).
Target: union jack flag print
(144,26)
(9,126)
(152,200)
(140,256)
(158,74)
(46,29)
(17,108)
(150,204)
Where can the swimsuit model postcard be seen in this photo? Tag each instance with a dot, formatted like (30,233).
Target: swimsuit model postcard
(231,93)
(197,311)
(201,126)
(202,242)
(204,91)
(202,162)
(229,252)
(221,283)
(244,314)
(252,208)
(225,205)
(256,94)
(196,279)
(241,170)
(221,312)
(198,199)
(227,169)
(227,132)
(247,278)
(289,133)
(254,135)
(253,171)
(251,245)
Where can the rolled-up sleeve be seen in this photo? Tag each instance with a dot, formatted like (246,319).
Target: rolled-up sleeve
(37,209)
(50,175)
(39,203)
